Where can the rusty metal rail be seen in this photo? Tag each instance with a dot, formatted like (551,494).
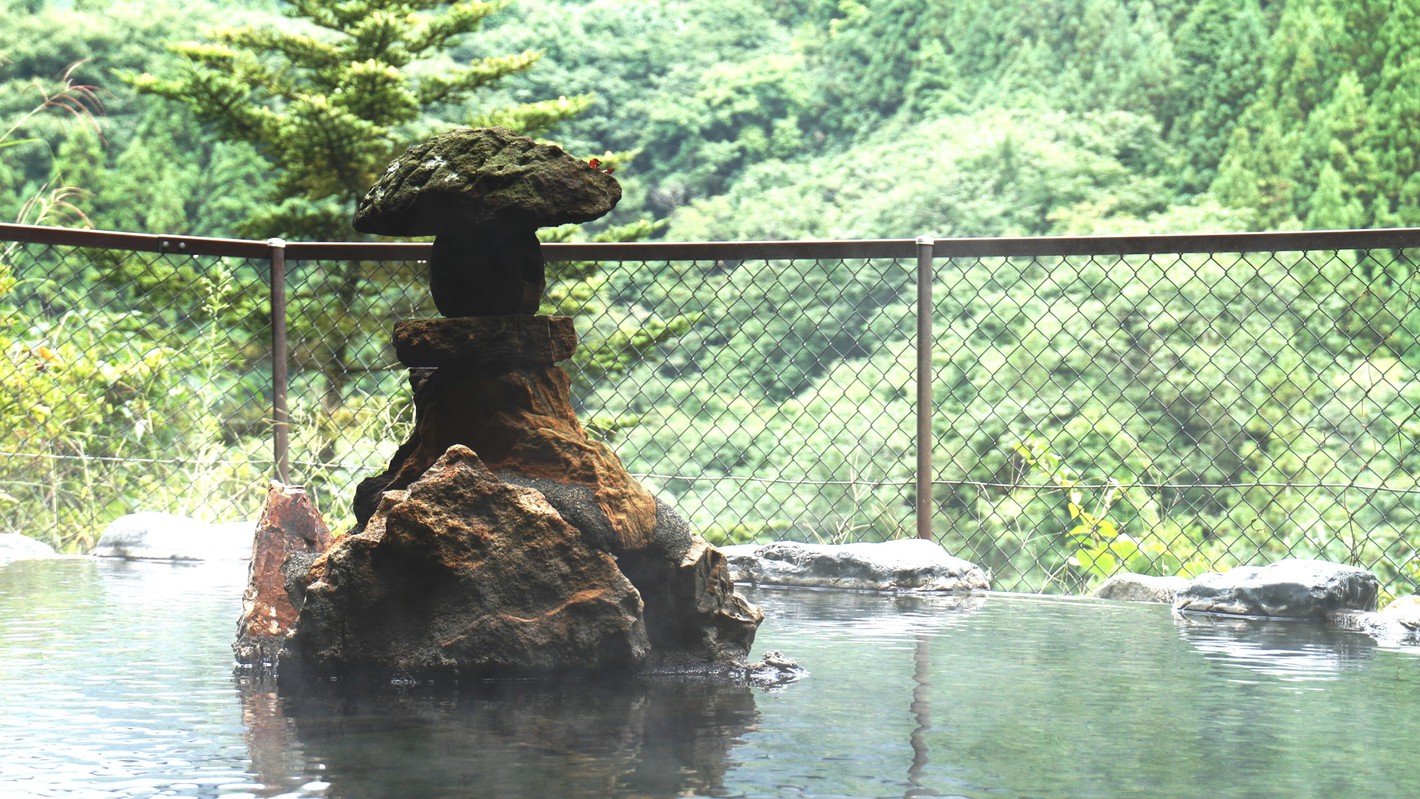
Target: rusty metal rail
(929,255)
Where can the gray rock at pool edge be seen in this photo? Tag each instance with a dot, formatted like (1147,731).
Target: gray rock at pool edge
(1405,612)
(150,535)
(14,546)
(1397,623)
(1130,587)
(1306,589)
(906,564)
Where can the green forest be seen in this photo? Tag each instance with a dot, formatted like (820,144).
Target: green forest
(775,120)
(882,119)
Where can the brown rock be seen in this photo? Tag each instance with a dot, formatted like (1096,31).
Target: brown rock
(485,343)
(699,618)
(519,423)
(463,576)
(470,177)
(289,536)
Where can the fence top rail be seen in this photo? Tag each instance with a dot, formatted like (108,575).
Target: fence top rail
(1043,246)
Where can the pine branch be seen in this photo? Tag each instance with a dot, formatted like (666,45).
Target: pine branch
(305,53)
(328,17)
(461,82)
(456,20)
(533,118)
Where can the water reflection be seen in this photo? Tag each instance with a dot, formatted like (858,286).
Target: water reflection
(877,615)
(921,710)
(1295,651)
(117,682)
(653,738)
(876,640)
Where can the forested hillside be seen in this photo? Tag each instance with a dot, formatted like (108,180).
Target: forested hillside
(787,119)
(886,118)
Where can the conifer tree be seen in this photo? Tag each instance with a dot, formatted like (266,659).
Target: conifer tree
(1261,170)
(1218,52)
(1396,104)
(329,99)
(332,97)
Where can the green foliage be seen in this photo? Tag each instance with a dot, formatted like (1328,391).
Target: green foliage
(733,534)
(1285,114)
(1101,546)
(1008,177)
(86,392)
(1321,143)
(153,169)
(72,102)
(614,336)
(1218,52)
(1093,414)
(331,97)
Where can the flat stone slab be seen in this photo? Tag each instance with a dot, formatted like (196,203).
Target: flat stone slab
(485,341)
(14,546)
(149,535)
(1293,588)
(908,564)
(1131,587)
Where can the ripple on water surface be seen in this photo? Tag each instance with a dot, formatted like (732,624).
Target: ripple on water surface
(117,679)
(117,682)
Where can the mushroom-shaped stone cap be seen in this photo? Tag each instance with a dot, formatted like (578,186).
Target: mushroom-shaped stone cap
(474,176)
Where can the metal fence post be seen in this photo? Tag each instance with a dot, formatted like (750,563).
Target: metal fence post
(925,245)
(280,418)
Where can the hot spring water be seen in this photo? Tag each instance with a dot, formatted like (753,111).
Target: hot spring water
(116,681)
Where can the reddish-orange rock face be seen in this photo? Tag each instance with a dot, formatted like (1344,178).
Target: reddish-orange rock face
(290,533)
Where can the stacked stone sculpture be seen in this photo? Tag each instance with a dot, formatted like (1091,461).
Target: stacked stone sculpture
(501,540)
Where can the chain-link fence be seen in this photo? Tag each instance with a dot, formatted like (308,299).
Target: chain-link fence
(1157,404)
(130,381)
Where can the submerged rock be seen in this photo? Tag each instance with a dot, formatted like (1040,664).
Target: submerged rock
(910,564)
(1398,622)
(149,535)
(1278,647)
(774,669)
(1294,588)
(626,738)
(1130,587)
(463,576)
(1404,611)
